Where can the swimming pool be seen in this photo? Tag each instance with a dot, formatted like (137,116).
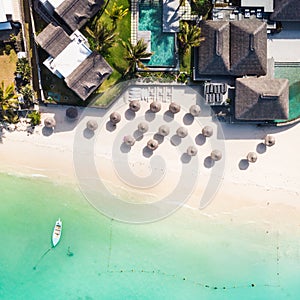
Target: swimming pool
(292,73)
(162,44)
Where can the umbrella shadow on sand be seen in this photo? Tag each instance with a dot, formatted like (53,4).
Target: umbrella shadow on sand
(88,134)
(208,162)
(47,131)
(243,164)
(188,119)
(261,148)
(185,158)
(110,126)
(200,139)
(129,114)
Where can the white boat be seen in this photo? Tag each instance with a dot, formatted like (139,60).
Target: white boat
(56,232)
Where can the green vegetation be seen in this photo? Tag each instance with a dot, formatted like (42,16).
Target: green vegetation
(134,54)
(8,103)
(201,7)
(116,13)
(23,69)
(35,118)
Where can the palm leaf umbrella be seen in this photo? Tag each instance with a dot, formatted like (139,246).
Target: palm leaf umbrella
(143,127)
(91,125)
(216,155)
(155,106)
(134,105)
(174,108)
(269,140)
(152,144)
(164,130)
(72,112)
(182,132)
(49,122)
(115,117)
(129,140)
(207,131)
(252,157)
(192,151)
(195,110)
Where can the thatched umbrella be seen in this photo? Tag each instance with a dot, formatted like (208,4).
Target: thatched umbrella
(49,122)
(72,112)
(129,140)
(269,140)
(155,106)
(143,127)
(192,151)
(174,108)
(152,144)
(115,117)
(91,125)
(252,157)
(207,131)
(182,132)
(216,155)
(195,110)
(134,105)
(164,130)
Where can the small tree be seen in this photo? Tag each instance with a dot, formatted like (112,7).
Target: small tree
(117,13)
(27,92)
(8,103)
(35,118)
(24,69)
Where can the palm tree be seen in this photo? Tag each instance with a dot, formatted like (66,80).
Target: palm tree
(8,103)
(189,36)
(134,55)
(117,13)
(103,37)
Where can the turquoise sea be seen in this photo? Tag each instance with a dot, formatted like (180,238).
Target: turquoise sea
(186,256)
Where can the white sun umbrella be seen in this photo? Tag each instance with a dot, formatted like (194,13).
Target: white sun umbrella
(49,122)
(91,125)
(143,127)
(216,155)
(182,132)
(174,108)
(129,140)
(195,110)
(164,130)
(269,140)
(115,117)
(252,157)
(207,131)
(192,151)
(152,144)
(134,105)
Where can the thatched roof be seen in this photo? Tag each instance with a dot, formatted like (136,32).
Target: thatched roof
(232,48)
(248,47)
(53,39)
(76,13)
(212,56)
(286,10)
(261,99)
(89,75)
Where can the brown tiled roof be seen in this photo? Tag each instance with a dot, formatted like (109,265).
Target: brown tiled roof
(261,99)
(237,48)
(213,53)
(76,13)
(248,47)
(53,39)
(89,75)
(286,10)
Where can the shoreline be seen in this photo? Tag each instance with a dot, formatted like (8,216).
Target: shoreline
(270,182)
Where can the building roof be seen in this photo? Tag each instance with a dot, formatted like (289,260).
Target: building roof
(261,99)
(213,53)
(266,4)
(89,75)
(248,47)
(53,39)
(286,10)
(232,48)
(76,13)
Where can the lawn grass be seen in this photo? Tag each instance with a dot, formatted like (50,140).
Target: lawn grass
(8,67)
(185,62)
(115,55)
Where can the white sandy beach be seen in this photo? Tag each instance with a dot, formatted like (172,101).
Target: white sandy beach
(262,192)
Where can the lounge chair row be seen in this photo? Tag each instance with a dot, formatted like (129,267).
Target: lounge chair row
(216,88)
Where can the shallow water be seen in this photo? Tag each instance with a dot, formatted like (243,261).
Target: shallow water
(186,256)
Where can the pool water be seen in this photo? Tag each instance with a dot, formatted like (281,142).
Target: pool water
(162,44)
(292,73)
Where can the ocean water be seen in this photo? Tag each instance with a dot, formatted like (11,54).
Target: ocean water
(186,256)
